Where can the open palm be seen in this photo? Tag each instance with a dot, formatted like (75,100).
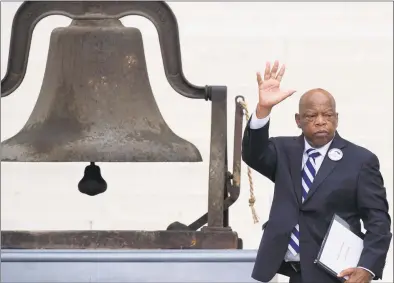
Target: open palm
(270,93)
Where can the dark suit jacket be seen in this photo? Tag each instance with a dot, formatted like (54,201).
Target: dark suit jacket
(351,187)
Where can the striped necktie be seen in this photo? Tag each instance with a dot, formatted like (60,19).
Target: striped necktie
(307,177)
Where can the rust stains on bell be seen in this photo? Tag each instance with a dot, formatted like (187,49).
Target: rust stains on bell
(96,104)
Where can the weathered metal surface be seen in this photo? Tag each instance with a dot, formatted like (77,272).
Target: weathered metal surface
(237,151)
(96,103)
(158,12)
(118,240)
(218,158)
(179,266)
(232,182)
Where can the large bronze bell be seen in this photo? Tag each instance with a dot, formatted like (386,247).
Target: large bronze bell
(96,105)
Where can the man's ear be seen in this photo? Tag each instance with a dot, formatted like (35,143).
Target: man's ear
(298,120)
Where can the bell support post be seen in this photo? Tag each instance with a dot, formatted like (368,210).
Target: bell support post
(232,182)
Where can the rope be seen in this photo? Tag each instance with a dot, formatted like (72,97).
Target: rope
(252,198)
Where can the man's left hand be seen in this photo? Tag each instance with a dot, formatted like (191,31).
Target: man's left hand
(356,275)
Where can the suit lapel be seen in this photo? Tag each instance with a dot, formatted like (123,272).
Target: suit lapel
(295,162)
(327,167)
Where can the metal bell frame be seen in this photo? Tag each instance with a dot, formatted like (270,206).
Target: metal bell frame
(223,186)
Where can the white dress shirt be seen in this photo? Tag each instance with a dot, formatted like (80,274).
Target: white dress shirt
(256,123)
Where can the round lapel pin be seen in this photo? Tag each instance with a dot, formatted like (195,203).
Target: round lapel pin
(335,154)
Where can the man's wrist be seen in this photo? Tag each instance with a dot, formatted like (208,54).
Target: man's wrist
(369,271)
(262,112)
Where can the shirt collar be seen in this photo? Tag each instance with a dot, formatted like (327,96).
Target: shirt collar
(322,150)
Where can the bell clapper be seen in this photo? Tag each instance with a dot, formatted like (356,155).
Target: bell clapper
(92,182)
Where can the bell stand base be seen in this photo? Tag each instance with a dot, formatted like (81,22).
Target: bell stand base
(216,229)
(120,239)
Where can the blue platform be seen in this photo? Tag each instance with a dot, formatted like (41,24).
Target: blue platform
(72,266)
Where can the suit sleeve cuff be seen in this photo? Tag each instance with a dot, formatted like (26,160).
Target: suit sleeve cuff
(373,274)
(256,123)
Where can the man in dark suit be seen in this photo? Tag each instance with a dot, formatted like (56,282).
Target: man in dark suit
(316,175)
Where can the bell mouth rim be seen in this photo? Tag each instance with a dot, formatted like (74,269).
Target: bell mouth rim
(119,157)
(171,150)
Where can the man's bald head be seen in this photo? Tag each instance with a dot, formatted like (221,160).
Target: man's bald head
(317,116)
(316,95)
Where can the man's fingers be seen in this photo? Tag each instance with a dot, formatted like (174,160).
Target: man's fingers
(286,94)
(267,71)
(346,272)
(281,73)
(274,70)
(290,92)
(259,79)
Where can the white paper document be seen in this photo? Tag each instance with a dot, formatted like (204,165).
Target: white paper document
(342,248)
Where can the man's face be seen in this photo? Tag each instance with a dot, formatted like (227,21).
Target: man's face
(317,119)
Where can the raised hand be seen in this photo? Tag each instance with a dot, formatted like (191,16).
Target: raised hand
(270,93)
